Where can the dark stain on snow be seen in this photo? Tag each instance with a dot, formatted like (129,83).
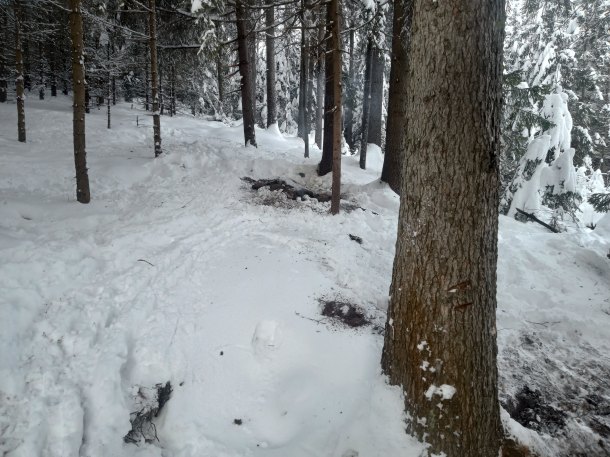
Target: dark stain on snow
(529,409)
(345,313)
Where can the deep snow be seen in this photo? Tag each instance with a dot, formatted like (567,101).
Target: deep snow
(178,271)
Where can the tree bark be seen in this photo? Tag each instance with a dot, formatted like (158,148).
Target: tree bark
(350,95)
(397,99)
(320,82)
(271,65)
(247,104)
(376,108)
(302,78)
(305,94)
(252,11)
(4,58)
(366,103)
(172,88)
(109,88)
(20,77)
(152,41)
(440,340)
(78,84)
(334,17)
(326,163)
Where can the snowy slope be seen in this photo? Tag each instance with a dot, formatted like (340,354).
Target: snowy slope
(178,271)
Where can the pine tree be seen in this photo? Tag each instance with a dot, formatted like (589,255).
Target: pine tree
(78,83)
(245,70)
(393,159)
(440,340)
(20,73)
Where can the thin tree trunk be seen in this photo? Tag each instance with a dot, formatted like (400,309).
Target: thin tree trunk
(326,163)
(397,99)
(320,81)
(335,27)
(220,81)
(440,339)
(271,65)
(302,79)
(349,98)
(172,103)
(109,94)
(19,80)
(305,98)
(376,108)
(78,84)
(152,28)
(146,75)
(161,91)
(366,103)
(245,67)
(4,59)
(252,43)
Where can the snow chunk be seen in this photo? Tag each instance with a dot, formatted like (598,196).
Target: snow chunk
(445,391)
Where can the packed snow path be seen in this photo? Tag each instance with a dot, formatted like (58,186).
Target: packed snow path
(177,271)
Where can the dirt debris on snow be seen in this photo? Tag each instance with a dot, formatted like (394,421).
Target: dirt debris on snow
(150,402)
(345,313)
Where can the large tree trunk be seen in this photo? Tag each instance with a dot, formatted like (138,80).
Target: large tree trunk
(320,81)
(440,340)
(20,77)
(326,163)
(376,108)
(154,83)
(366,103)
(397,99)
(78,87)
(271,66)
(334,20)
(350,95)
(245,69)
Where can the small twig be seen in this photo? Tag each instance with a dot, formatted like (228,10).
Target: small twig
(319,321)
(185,205)
(544,324)
(143,260)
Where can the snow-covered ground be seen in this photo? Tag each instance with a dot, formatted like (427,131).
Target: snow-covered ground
(177,271)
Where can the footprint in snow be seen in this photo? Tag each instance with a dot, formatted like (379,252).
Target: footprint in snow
(266,338)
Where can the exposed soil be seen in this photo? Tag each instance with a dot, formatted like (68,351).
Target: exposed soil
(150,402)
(290,191)
(529,409)
(345,313)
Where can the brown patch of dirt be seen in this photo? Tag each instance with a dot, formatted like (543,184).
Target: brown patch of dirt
(346,313)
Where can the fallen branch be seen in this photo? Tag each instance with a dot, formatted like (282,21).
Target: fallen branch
(535,219)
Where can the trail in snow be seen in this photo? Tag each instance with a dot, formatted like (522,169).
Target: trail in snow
(178,271)
(92,318)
